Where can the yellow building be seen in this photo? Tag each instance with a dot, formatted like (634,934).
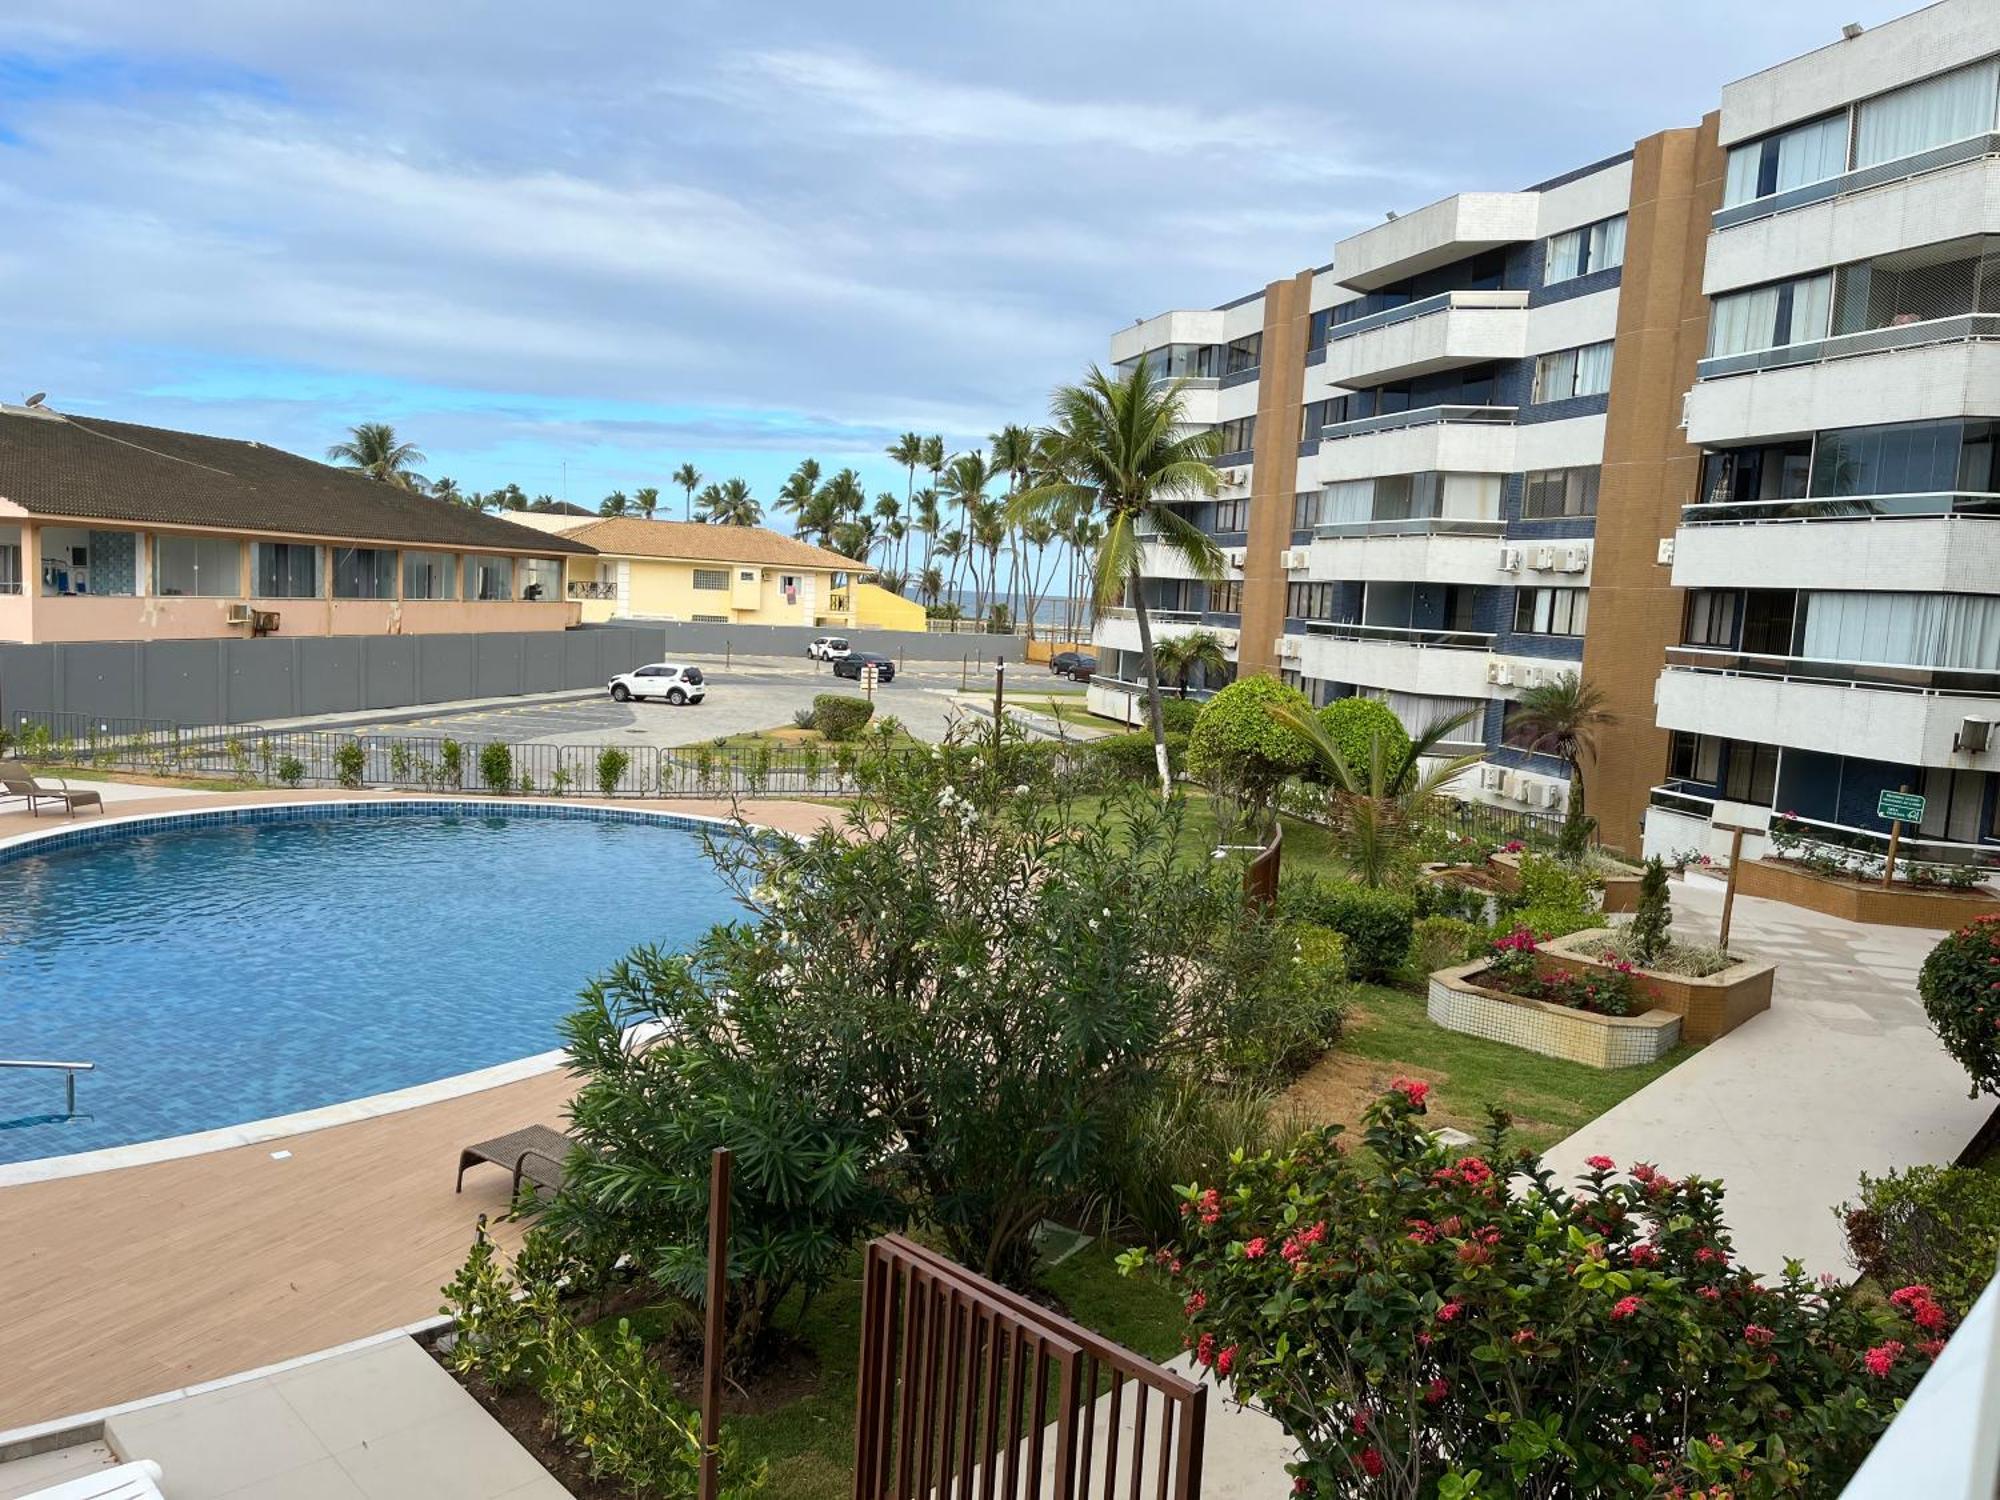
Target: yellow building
(736,575)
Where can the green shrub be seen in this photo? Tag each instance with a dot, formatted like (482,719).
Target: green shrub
(1179,715)
(1185,1132)
(496,767)
(291,770)
(1937,1227)
(349,762)
(1654,914)
(1555,899)
(1354,724)
(1964,1007)
(802,718)
(840,717)
(1240,750)
(1449,898)
(1129,757)
(1291,1003)
(612,764)
(1441,942)
(451,763)
(1377,923)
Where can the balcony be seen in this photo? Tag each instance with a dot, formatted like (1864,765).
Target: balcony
(1438,333)
(603,588)
(1118,627)
(1441,549)
(1944,542)
(1913,335)
(1680,815)
(1451,229)
(1444,663)
(1937,159)
(1922,379)
(1902,715)
(1431,439)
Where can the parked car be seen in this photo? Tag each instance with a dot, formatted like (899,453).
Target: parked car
(828,648)
(1084,670)
(851,664)
(663,679)
(1078,666)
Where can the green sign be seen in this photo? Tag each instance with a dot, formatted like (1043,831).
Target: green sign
(1905,807)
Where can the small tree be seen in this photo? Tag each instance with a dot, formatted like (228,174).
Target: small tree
(1243,751)
(1653,915)
(1964,1008)
(611,766)
(1178,657)
(1355,724)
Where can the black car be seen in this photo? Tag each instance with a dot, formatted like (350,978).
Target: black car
(1078,666)
(851,665)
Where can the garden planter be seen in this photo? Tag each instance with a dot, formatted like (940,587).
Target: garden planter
(1901,905)
(1708,1007)
(1458,1002)
(1489,881)
(1620,892)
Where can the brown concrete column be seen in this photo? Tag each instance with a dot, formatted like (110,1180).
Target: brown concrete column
(1274,476)
(1650,470)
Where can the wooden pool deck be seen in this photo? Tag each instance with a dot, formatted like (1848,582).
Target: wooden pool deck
(127,1283)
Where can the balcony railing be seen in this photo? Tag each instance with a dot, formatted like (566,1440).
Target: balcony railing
(1421,416)
(1696,800)
(581,589)
(1412,526)
(1131,688)
(1963,328)
(1403,635)
(1952,682)
(1879,175)
(1425,306)
(1839,508)
(1155,616)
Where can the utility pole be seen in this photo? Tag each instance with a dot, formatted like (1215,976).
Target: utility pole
(999,698)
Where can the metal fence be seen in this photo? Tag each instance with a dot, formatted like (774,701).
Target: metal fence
(1483,820)
(251,755)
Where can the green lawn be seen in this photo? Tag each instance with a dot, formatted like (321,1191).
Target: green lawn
(191,783)
(1308,846)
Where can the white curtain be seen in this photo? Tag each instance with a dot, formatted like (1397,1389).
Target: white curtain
(1927,114)
(1740,186)
(1347,502)
(1472,497)
(1418,711)
(1742,321)
(1812,301)
(1607,247)
(1958,631)
(1812,153)
(1563,252)
(1593,369)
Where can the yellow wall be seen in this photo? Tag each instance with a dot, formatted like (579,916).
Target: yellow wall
(876,607)
(664,589)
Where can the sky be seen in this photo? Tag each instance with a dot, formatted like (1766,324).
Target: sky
(574,247)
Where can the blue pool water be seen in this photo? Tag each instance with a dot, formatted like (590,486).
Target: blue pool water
(223,974)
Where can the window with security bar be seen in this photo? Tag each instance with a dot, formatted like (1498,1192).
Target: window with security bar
(1953,279)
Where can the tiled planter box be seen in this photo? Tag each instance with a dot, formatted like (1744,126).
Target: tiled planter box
(1459,1003)
(1899,906)
(1708,1008)
(1620,893)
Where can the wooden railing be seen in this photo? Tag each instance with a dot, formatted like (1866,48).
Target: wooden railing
(968,1390)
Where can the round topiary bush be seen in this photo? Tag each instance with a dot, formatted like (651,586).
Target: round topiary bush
(1354,724)
(1960,985)
(1240,747)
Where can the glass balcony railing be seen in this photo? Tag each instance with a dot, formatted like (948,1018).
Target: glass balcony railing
(1963,328)
(1955,682)
(1839,508)
(1936,159)
(1424,307)
(1421,416)
(1412,526)
(1402,635)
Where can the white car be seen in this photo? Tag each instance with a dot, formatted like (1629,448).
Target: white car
(829,648)
(662,679)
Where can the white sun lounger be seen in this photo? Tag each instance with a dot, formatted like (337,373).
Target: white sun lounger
(140,1481)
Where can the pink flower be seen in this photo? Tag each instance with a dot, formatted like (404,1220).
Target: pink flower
(1524,1335)
(1931,1348)
(1472,1170)
(1372,1462)
(1757,1334)
(1450,1310)
(1645,1253)
(1256,1248)
(1204,1349)
(1643,1172)
(1211,1206)
(1907,1297)
(1194,1304)
(1415,1090)
(1882,1357)
(1437,1390)
(1624,1307)
(1599,1163)
(1225,1360)
(1709,1292)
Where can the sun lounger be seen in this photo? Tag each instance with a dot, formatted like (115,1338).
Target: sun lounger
(16,780)
(140,1481)
(536,1154)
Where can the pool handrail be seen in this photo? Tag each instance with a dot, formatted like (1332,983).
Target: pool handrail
(69,1068)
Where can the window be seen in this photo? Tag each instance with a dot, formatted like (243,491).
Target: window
(1232,515)
(1954,631)
(1775,472)
(1551,611)
(1753,773)
(1578,252)
(1934,112)
(1309,601)
(1769,317)
(1902,458)
(199,567)
(489,578)
(1226,598)
(1238,436)
(430,575)
(1560,492)
(1953,800)
(1791,158)
(364,573)
(285,570)
(1572,372)
(711,579)
(1711,618)
(1242,354)
(10,568)
(1767,621)
(1176,362)
(541,578)
(1305,510)
(1915,286)
(1693,757)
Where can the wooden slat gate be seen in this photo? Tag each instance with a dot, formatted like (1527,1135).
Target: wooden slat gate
(968,1391)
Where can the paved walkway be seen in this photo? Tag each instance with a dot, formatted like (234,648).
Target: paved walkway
(1842,1075)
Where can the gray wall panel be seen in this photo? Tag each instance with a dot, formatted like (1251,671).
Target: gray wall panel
(542,663)
(444,667)
(388,671)
(99,678)
(496,666)
(27,681)
(180,681)
(329,673)
(260,679)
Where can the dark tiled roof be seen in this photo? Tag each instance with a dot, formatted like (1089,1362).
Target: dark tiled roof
(94,470)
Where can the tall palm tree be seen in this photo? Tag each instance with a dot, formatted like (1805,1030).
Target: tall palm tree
(930,583)
(927,522)
(646,501)
(614,504)
(964,484)
(797,492)
(730,504)
(933,459)
(447,490)
(1014,455)
(842,499)
(688,477)
(907,450)
(513,497)
(889,512)
(1123,447)
(1177,657)
(372,449)
(1563,718)
(1378,807)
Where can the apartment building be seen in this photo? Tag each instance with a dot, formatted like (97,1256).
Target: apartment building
(1710,421)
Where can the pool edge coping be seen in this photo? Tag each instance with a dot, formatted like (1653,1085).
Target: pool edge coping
(342,1112)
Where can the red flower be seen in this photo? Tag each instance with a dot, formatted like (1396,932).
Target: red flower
(1415,1090)
(1256,1248)
(1450,1310)
(1292,1249)
(1302,1486)
(1643,1172)
(1211,1206)
(1907,1297)
(1758,1334)
(1225,1360)
(1372,1462)
(1524,1335)
(1882,1357)
(1645,1253)
(1204,1349)
(1709,1292)
(1437,1390)
(1624,1307)
(1928,1316)
(1362,1418)
(1194,1304)
(1472,1170)
(1599,1163)
(1422,1231)
(1931,1348)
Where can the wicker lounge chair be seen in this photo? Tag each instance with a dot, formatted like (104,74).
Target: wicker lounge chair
(536,1154)
(17,780)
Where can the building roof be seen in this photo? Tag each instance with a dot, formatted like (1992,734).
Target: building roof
(630,536)
(93,470)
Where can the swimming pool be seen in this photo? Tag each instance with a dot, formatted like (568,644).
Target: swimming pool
(265,961)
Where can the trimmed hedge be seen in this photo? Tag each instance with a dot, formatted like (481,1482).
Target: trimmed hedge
(1353,724)
(840,717)
(1178,715)
(1130,756)
(1378,924)
(1958,987)
(1238,743)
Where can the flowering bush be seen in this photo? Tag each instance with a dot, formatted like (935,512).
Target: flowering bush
(1512,968)
(1937,1228)
(1429,1322)
(1960,985)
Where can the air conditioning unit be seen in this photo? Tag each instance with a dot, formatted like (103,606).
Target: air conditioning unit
(1492,778)
(237,614)
(1528,677)
(1235,476)
(1234,556)
(1510,559)
(1547,794)
(1575,559)
(1288,647)
(1666,554)
(1294,558)
(1227,637)
(1545,559)
(1510,786)
(1499,673)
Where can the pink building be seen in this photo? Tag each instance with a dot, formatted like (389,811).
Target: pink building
(113,532)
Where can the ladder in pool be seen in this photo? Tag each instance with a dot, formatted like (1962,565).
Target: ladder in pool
(69,1068)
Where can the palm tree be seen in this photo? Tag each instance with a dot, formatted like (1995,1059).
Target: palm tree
(964,483)
(730,504)
(513,497)
(842,499)
(1379,806)
(1014,455)
(907,450)
(1563,718)
(448,491)
(796,493)
(687,476)
(928,522)
(372,449)
(614,504)
(930,583)
(1177,657)
(1123,448)
(933,459)
(646,501)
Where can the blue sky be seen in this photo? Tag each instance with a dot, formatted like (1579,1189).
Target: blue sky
(585,246)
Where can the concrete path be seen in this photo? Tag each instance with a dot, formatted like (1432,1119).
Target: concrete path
(1841,1076)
